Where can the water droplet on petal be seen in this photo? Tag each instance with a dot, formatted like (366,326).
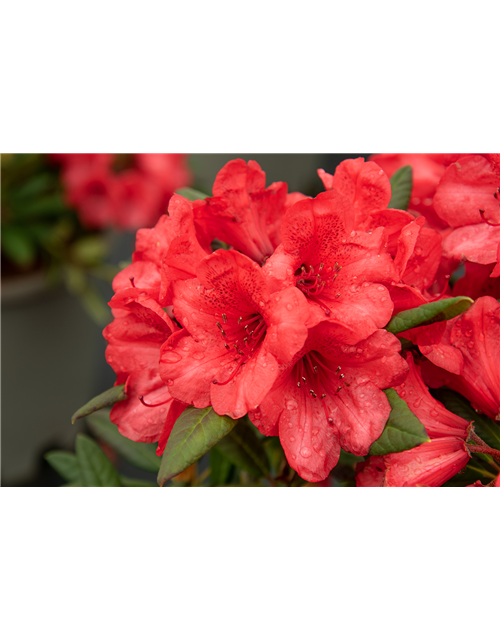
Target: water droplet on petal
(291,405)
(171,358)
(305,452)
(289,307)
(170,382)
(292,439)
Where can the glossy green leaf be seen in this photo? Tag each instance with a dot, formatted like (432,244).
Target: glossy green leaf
(244,449)
(429,313)
(194,433)
(191,194)
(220,468)
(135,482)
(96,468)
(66,465)
(349,459)
(140,454)
(401,186)
(403,429)
(486,428)
(106,399)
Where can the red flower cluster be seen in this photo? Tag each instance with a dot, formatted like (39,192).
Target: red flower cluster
(459,196)
(287,324)
(122,191)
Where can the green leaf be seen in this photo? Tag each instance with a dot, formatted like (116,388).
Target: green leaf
(106,399)
(18,246)
(428,314)
(66,465)
(349,459)
(244,449)
(486,428)
(35,186)
(191,194)
(401,186)
(73,483)
(134,482)
(220,468)
(140,454)
(96,468)
(403,429)
(51,205)
(194,433)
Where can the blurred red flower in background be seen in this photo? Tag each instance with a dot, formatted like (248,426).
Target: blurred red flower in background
(125,191)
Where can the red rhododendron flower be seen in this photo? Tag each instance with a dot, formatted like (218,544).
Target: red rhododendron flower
(243,212)
(135,337)
(416,250)
(476,335)
(432,463)
(127,197)
(437,420)
(428,169)
(141,325)
(235,334)
(329,396)
(341,273)
(429,465)
(466,192)
(464,195)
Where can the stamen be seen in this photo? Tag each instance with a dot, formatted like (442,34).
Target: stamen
(224,318)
